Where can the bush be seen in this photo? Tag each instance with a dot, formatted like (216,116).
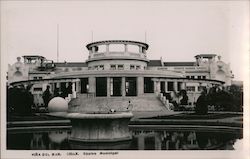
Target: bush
(226,100)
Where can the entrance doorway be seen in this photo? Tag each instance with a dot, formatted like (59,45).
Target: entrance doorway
(101,86)
(115,86)
(84,85)
(162,87)
(148,85)
(130,86)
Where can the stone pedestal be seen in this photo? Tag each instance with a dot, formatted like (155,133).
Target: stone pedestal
(100,127)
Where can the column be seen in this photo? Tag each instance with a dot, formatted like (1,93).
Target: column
(126,47)
(93,49)
(157,142)
(183,86)
(73,90)
(92,85)
(52,87)
(78,87)
(123,87)
(175,86)
(141,144)
(108,86)
(140,49)
(140,86)
(155,86)
(58,86)
(208,87)
(107,48)
(158,86)
(166,86)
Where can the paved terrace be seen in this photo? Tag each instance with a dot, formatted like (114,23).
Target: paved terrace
(149,103)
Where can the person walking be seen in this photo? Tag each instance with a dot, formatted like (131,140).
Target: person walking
(47,96)
(130,106)
(202,104)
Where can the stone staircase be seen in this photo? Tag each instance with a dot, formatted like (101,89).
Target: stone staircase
(148,102)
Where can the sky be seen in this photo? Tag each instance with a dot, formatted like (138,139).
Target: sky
(175,30)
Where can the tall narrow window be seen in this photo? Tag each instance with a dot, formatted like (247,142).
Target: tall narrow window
(170,86)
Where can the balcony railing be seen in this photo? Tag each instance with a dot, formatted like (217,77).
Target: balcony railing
(184,68)
(117,54)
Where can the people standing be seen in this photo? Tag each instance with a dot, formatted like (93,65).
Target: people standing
(130,106)
(202,104)
(47,96)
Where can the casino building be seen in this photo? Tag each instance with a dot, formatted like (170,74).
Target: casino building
(120,69)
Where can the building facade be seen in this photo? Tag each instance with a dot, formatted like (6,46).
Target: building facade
(120,68)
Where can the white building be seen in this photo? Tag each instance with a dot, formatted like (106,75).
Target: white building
(119,73)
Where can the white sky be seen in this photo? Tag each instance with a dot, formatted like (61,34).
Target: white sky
(176,30)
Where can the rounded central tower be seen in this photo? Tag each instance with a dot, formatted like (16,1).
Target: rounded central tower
(117,55)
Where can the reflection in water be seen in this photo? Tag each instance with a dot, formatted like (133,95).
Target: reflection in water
(142,140)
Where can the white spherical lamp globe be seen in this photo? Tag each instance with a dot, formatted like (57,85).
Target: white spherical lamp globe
(58,104)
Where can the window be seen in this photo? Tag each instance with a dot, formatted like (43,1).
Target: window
(96,68)
(101,67)
(138,67)
(170,86)
(40,77)
(34,78)
(120,67)
(203,77)
(190,88)
(192,77)
(116,48)
(199,77)
(187,77)
(148,85)
(201,88)
(38,89)
(132,67)
(179,86)
(113,67)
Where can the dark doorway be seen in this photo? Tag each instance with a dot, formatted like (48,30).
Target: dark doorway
(63,89)
(148,85)
(130,85)
(101,86)
(162,86)
(170,86)
(179,86)
(116,83)
(84,85)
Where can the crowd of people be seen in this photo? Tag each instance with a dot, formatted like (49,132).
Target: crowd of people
(20,99)
(178,100)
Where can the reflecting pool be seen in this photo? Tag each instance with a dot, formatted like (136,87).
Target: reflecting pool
(58,139)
